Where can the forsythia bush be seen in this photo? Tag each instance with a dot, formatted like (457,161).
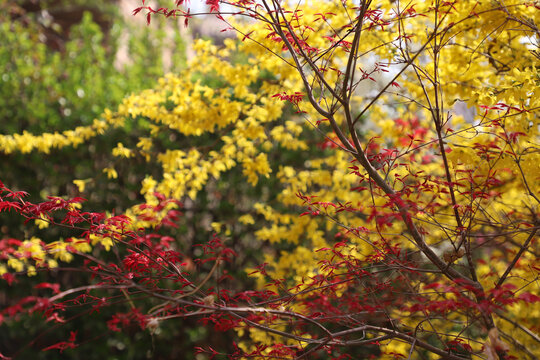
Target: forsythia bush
(401,144)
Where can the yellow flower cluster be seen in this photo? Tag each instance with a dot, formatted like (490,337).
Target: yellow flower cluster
(44,143)
(33,254)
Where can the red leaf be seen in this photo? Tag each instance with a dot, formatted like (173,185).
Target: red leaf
(45,285)
(214,5)
(186,21)
(9,205)
(528,297)
(18,194)
(432,286)
(56,318)
(63,345)
(10,278)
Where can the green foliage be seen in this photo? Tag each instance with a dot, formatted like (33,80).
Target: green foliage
(43,89)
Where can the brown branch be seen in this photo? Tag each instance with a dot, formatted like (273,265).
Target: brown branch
(516,258)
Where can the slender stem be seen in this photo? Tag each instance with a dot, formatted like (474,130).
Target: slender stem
(516,258)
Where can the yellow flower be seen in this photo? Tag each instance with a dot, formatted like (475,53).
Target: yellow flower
(111,172)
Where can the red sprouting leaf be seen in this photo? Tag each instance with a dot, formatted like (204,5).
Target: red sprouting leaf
(63,345)
(320,121)
(359,188)
(432,286)
(513,136)
(186,21)
(9,205)
(292,98)
(159,196)
(10,278)
(77,200)
(260,269)
(54,316)
(340,244)
(247,36)
(528,297)
(45,285)
(214,5)
(312,213)
(17,194)
(322,249)
(168,223)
